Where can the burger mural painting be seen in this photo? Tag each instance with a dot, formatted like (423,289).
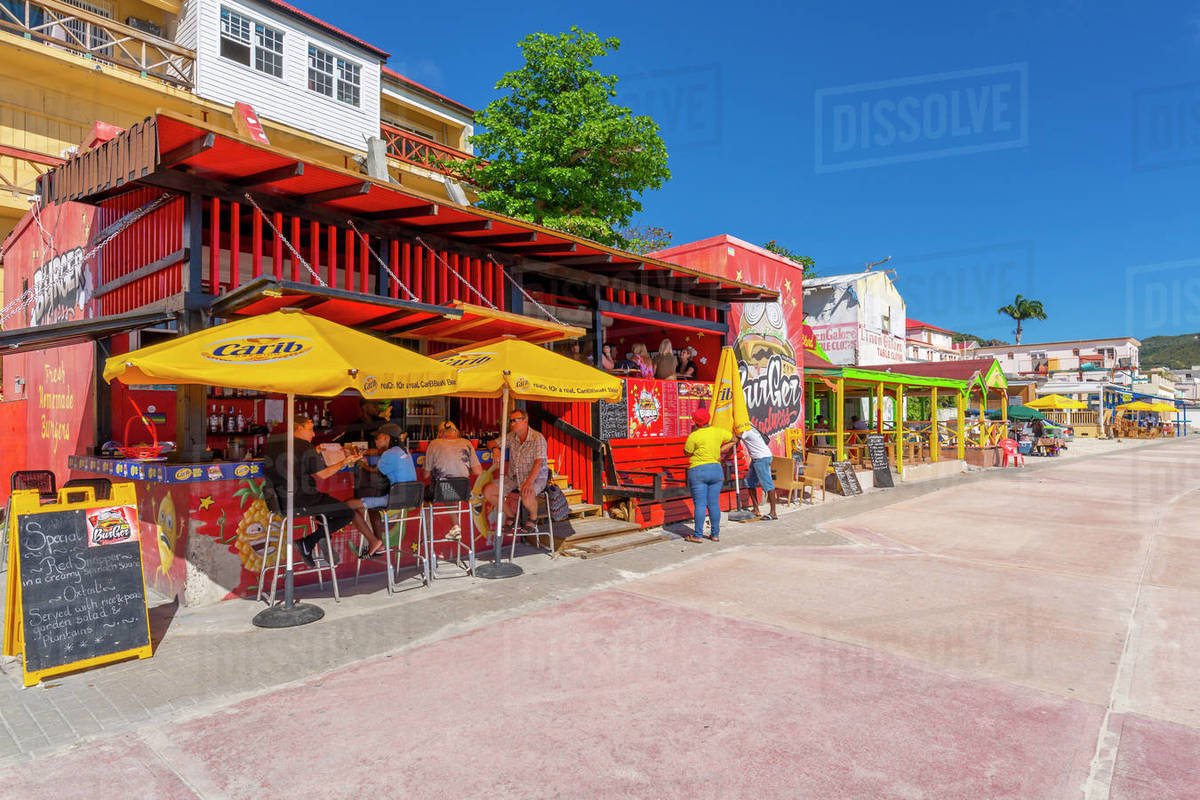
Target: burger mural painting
(772,379)
(768,337)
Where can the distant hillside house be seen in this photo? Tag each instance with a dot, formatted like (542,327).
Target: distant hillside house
(1114,360)
(930,343)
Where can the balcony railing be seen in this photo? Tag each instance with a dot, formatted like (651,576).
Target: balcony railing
(420,152)
(98,38)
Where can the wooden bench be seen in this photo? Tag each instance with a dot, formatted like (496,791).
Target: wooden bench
(651,470)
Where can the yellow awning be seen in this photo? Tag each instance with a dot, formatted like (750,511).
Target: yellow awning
(288,352)
(528,371)
(1136,405)
(1056,402)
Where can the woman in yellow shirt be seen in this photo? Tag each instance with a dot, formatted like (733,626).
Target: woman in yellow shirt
(707,446)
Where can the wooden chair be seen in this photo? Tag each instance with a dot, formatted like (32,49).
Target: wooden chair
(784,469)
(816,465)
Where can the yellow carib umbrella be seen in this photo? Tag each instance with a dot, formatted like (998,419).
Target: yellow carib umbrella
(294,353)
(1056,402)
(1164,408)
(509,366)
(729,412)
(1136,405)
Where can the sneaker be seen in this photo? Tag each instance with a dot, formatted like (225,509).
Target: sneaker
(455,532)
(306,554)
(321,552)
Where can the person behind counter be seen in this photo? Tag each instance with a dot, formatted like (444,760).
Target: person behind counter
(308,467)
(363,429)
(686,370)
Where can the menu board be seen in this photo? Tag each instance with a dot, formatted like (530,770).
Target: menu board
(646,408)
(847,480)
(614,417)
(690,396)
(672,423)
(877,450)
(82,595)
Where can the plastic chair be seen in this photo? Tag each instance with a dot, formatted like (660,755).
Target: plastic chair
(1010,449)
(40,479)
(404,506)
(450,497)
(301,526)
(537,534)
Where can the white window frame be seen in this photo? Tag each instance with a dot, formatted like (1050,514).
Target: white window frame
(255,42)
(340,86)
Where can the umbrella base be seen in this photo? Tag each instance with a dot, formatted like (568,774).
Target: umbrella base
(493,571)
(283,617)
(741,515)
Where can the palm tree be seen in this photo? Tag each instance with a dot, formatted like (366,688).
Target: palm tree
(1022,309)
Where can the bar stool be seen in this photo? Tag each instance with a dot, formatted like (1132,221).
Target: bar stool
(536,535)
(450,498)
(277,534)
(403,506)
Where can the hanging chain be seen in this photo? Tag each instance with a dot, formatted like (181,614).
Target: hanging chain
(382,263)
(461,280)
(287,243)
(524,293)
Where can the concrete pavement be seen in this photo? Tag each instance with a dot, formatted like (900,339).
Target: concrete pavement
(1026,634)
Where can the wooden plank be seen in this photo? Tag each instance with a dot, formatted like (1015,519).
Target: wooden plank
(592,527)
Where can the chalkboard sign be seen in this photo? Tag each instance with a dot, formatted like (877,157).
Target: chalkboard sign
(82,596)
(877,450)
(847,481)
(614,417)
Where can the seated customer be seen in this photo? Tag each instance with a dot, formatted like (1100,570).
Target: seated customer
(308,467)
(450,455)
(665,361)
(527,473)
(395,463)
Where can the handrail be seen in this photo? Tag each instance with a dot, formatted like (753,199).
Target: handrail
(102,39)
(421,152)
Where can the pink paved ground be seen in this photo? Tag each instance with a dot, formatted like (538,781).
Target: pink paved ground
(977,643)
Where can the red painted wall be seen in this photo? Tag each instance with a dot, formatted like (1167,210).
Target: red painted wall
(768,336)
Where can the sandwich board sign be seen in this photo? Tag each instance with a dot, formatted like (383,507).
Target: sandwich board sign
(76,593)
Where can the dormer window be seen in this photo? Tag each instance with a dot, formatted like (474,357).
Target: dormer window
(264,51)
(333,76)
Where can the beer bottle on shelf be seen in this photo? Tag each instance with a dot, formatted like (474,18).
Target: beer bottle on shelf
(230,420)
(241,421)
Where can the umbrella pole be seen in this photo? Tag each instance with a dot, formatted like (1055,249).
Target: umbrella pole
(498,569)
(738,515)
(291,613)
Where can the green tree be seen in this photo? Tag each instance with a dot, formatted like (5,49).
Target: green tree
(556,149)
(1021,309)
(810,270)
(645,238)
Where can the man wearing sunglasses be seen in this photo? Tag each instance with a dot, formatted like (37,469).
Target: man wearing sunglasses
(527,473)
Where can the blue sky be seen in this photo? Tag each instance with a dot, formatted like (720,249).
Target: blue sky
(1050,148)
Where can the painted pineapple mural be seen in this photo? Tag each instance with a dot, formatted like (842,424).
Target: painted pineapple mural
(253,540)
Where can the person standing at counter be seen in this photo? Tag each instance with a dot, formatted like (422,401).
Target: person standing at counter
(307,468)
(665,361)
(607,362)
(707,446)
